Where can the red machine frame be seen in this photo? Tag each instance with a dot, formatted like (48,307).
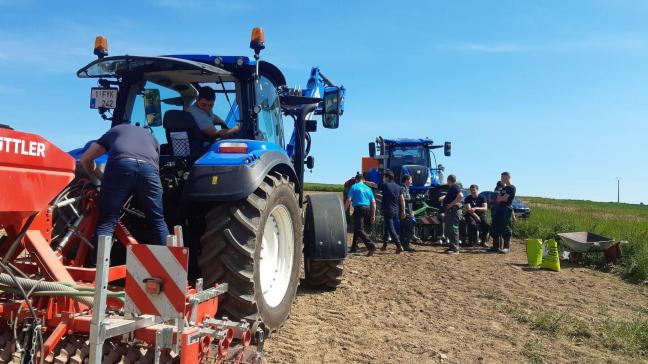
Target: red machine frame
(35,171)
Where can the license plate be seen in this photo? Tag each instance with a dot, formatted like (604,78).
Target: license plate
(103,98)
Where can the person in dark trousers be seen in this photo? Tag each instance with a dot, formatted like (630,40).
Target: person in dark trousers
(364,213)
(408,221)
(475,207)
(393,206)
(452,214)
(503,215)
(132,169)
(492,203)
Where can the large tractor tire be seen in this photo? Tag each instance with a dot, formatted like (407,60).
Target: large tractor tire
(255,246)
(323,274)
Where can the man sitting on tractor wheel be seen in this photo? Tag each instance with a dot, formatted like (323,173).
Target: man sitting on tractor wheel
(201,110)
(475,207)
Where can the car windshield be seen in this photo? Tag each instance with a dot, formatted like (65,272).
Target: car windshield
(404,155)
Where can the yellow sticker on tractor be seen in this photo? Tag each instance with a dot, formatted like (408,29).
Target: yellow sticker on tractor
(214,180)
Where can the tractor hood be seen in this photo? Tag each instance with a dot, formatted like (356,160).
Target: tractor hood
(421,175)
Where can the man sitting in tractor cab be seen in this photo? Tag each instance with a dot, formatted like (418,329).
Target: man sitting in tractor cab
(201,110)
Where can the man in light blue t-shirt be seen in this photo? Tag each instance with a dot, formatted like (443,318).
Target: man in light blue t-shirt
(202,113)
(364,213)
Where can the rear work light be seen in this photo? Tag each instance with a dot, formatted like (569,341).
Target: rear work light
(153,285)
(230,147)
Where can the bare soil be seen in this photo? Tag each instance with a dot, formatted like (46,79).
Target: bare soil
(429,307)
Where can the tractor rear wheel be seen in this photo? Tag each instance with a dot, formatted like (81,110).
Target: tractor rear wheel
(323,274)
(255,246)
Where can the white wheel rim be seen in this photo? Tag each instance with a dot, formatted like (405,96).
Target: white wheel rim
(277,250)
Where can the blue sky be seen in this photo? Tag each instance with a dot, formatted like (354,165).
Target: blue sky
(556,92)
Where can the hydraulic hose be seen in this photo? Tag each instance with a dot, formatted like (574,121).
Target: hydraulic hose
(28,284)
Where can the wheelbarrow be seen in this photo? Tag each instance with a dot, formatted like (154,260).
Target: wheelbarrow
(581,242)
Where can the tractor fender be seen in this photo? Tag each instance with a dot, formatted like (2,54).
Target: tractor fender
(325,228)
(231,182)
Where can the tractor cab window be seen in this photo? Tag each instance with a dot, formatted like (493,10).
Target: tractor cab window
(269,117)
(169,100)
(409,155)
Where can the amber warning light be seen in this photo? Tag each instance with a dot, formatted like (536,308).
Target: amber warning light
(101,46)
(257,41)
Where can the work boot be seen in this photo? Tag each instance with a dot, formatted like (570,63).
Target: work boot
(399,248)
(384,246)
(506,247)
(370,250)
(497,245)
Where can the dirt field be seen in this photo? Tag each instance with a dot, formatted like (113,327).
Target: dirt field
(429,307)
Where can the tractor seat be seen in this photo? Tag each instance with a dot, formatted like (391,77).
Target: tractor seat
(185,139)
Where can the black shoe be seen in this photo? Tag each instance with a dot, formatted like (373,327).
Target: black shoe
(371,251)
(354,249)
(383,247)
(399,249)
(452,251)
(410,249)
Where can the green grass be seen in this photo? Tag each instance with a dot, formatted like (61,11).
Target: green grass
(619,221)
(323,187)
(628,337)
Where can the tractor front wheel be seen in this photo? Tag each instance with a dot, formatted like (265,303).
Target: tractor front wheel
(255,246)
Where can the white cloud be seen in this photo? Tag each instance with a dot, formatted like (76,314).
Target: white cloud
(480,47)
(594,44)
(11,90)
(202,4)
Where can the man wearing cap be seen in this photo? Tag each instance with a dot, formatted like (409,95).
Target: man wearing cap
(502,227)
(132,169)
(201,110)
(364,213)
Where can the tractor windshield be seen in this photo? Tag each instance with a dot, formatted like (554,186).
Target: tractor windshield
(409,155)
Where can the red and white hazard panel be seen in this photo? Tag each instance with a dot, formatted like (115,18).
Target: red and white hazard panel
(156,280)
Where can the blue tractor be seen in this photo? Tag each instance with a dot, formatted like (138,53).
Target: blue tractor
(414,157)
(240,201)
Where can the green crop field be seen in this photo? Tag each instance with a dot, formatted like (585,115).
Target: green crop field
(619,221)
(323,187)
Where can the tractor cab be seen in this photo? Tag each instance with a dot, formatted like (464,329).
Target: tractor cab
(156,92)
(414,157)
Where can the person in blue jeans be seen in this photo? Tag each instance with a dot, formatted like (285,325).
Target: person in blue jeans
(132,169)
(393,206)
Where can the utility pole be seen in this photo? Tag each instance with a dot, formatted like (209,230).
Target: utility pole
(618,190)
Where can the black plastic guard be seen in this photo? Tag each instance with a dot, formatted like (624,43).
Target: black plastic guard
(325,228)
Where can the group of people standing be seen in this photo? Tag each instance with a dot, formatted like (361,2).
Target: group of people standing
(474,215)
(469,212)
(396,205)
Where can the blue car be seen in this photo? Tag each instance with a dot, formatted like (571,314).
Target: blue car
(521,209)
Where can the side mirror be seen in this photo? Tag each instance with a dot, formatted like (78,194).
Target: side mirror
(152,107)
(372,150)
(310,162)
(333,107)
(447,149)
